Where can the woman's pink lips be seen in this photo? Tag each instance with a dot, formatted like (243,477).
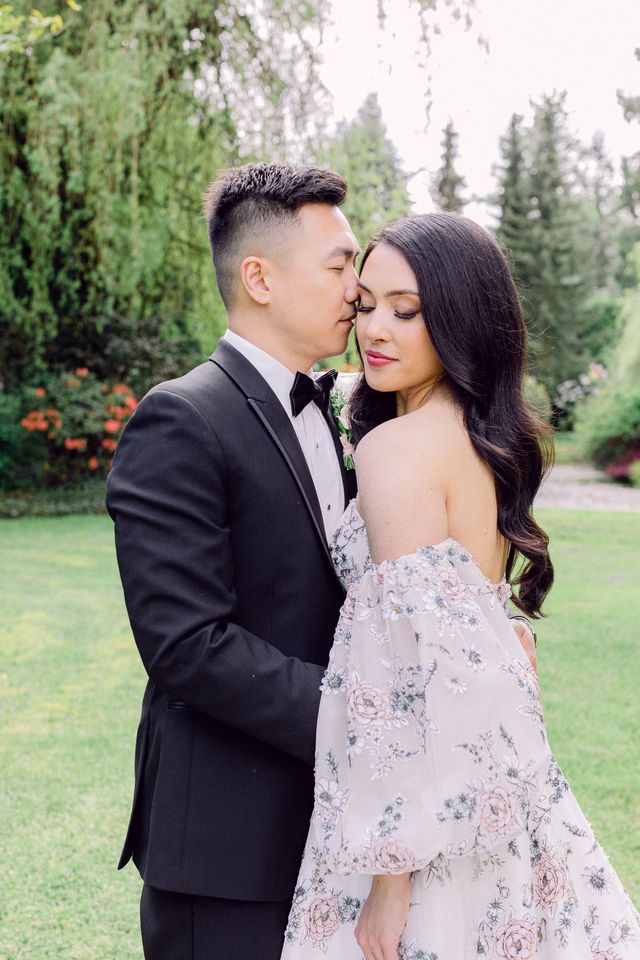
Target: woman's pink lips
(378,359)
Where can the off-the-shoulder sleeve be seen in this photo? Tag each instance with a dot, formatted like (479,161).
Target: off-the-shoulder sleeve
(430,735)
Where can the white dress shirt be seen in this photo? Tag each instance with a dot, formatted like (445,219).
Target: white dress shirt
(311,428)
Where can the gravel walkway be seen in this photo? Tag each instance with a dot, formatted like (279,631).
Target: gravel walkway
(576,486)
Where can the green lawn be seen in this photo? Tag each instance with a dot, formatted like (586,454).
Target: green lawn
(70,686)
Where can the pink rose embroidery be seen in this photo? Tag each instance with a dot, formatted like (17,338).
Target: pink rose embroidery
(452,585)
(390,856)
(517,940)
(549,882)
(322,919)
(367,704)
(498,811)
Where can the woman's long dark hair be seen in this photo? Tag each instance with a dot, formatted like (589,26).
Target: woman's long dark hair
(473,315)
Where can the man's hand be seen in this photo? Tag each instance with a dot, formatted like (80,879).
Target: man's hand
(383,917)
(527,639)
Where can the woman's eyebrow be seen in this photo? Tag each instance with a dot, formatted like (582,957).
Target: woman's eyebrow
(392,293)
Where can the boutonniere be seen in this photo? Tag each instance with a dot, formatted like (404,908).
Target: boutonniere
(340,410)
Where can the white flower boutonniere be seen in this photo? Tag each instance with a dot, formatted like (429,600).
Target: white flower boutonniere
(340,410)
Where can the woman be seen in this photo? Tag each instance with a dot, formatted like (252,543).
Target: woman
(443,828)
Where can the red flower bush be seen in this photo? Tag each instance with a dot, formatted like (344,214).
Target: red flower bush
(80,421)
(620,469)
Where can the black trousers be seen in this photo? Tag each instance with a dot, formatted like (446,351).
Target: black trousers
(177,926)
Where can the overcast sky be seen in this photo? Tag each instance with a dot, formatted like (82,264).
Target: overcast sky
(535,46)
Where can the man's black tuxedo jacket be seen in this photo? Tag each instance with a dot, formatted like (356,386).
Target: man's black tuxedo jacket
(233,601)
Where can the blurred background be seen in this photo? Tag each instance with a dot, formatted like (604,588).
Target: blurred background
(114,117)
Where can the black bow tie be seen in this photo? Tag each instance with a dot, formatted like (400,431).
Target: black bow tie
(305,389)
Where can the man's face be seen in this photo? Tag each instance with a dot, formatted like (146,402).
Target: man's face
(314,286)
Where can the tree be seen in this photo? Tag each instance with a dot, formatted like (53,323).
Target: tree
(447,184)
(556,285)
(628,234)
(514,202)
(362,152)
(110,136)
(365,156)
(19,32)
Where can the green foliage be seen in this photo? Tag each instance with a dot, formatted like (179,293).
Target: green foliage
(110,137)
(634,474)
(81,496)
(20,32)
(537,397)
(556,240)
(81,420)
(448,185)
(21,452)
(608,426)
(362,152)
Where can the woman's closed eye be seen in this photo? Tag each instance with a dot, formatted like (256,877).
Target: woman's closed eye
(363,308)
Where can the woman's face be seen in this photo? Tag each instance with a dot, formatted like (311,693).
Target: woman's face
(396,349)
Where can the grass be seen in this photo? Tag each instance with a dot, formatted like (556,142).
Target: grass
(70,689)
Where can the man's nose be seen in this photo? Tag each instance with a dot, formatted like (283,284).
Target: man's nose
(351,292)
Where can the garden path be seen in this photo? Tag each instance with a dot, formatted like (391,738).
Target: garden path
(577,486)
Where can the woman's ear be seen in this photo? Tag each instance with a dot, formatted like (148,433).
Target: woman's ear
(254,272)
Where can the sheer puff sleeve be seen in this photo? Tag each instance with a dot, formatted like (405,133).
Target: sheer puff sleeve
(430,735)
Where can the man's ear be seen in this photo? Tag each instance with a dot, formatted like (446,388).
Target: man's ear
(255,273)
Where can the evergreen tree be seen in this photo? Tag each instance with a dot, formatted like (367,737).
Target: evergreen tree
(628,233)
(362,152)
(556,283)
(447,183)
(365,156)
(514,202)
(596,176)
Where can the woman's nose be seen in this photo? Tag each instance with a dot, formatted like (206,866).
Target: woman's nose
(376,326)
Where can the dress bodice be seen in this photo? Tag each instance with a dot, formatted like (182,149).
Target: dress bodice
(352,559)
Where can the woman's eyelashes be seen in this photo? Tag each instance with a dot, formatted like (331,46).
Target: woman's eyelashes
(361,308)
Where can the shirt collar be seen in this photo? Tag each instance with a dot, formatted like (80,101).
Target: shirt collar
(279,377)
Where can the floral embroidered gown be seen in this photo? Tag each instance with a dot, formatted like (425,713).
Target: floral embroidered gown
(432,758)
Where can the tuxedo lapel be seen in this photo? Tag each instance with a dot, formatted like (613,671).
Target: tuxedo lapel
(271,414)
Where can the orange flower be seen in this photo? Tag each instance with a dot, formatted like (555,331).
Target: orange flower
(117,411)
(40,392)
(92,463)
(34,420)
(82,371)
(131,402)
(57,422)
(74,444)
(108,444)
(73,383)
(121,388)
(51,412)
(112,426)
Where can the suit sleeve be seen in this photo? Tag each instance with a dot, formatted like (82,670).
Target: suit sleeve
(166,495)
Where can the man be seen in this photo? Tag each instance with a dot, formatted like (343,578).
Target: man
(225,487)
(223,498)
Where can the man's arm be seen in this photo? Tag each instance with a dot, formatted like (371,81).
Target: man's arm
(166,494)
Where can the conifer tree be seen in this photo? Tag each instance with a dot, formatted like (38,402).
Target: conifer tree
(365,156)
(514,202)
(556,285)
(448,185)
